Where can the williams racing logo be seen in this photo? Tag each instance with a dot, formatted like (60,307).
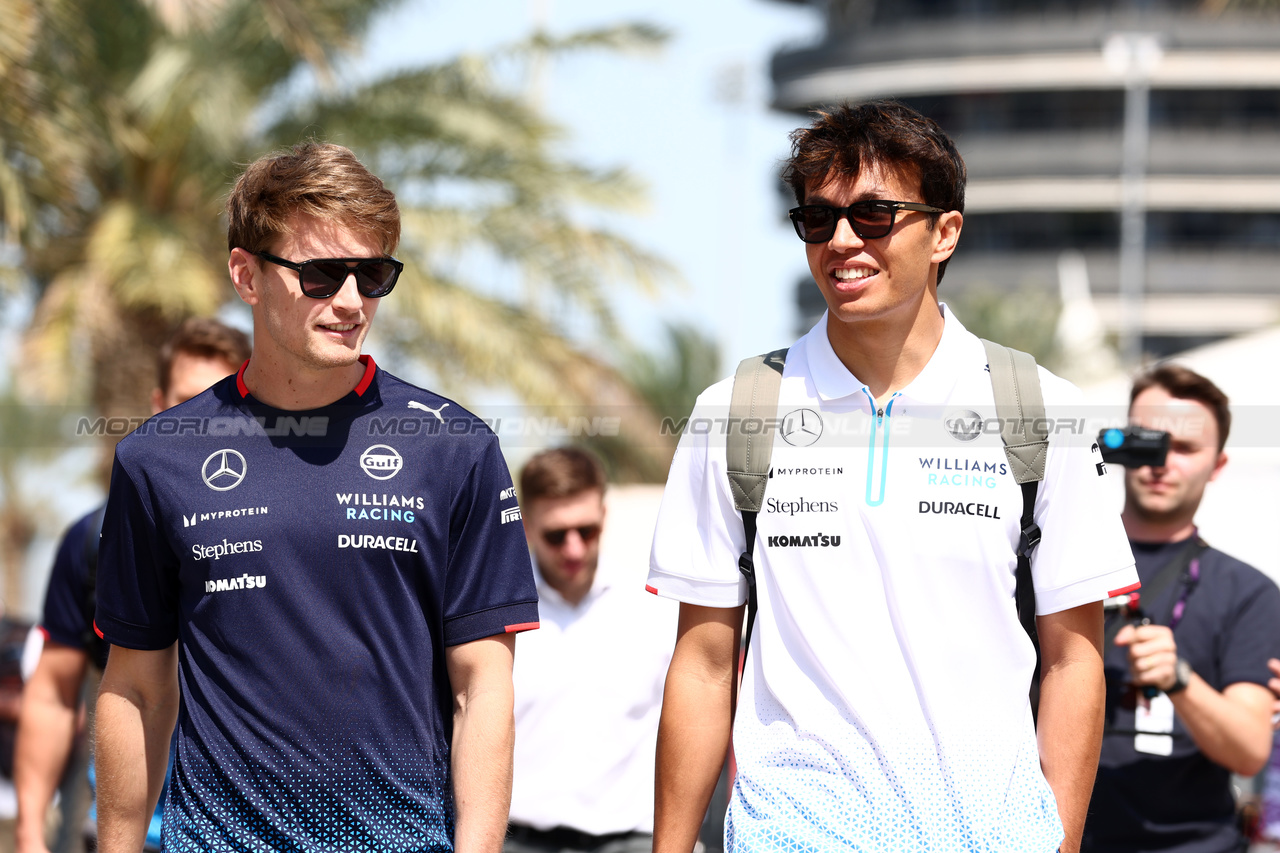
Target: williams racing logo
(817,540)
(381,462)
(367,506)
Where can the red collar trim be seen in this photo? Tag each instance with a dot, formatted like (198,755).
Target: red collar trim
(365,381)
(240,386)
(370,368)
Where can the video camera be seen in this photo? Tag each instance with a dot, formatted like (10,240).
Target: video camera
(1134,446)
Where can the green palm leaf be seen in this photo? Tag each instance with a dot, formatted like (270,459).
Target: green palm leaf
(126,121)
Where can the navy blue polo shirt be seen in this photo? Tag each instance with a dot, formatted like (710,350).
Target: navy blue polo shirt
(68,608)
(1182,802)
(313,566)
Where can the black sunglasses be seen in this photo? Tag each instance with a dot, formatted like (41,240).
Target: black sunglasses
(870,219)
(321,278)
(555,537)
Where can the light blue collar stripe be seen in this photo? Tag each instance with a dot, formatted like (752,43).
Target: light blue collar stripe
(871,449)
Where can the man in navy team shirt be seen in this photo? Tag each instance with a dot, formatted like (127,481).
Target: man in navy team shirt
(199,353)
(315,568)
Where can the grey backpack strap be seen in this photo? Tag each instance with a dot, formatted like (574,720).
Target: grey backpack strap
(749,446)
(1020,408)
(755,399)
(1025,431)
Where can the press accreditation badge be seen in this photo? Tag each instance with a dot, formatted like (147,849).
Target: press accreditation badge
(1154,722)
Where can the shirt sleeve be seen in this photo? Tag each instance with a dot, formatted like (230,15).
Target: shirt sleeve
(67,616)
(1083,554)
(699,537)
(490,588)
(137,570)
(1252,630)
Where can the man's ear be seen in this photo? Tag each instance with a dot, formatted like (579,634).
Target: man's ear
(1218,466)
(946,233)
(245,274)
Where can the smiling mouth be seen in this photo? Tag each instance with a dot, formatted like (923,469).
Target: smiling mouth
(338,327)
(854,274)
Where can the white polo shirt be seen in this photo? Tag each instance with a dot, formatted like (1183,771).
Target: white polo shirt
(588,692)
(885,706)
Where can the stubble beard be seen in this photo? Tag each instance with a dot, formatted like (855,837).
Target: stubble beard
(1162,514)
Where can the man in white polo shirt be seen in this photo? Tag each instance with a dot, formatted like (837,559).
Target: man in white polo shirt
(884,699)
(588,687)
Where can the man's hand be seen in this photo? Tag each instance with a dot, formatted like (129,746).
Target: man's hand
(1229,727)
(1274,686)
(1153,655)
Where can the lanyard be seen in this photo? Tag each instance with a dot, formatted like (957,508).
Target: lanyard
(1189,582)
(1184,567)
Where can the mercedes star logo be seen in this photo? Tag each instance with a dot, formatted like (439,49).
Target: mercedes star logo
(802,427)
(224,470)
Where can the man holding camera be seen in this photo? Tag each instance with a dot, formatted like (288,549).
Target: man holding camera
(1186,657)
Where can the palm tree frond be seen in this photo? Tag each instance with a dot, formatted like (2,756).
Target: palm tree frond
(125,120)
(634,37)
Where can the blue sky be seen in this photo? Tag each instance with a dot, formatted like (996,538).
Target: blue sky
(661,116)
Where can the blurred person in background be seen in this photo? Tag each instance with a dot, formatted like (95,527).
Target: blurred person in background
(19,650)
(588,683)
(1269,796)
(1186,657)
(198,354)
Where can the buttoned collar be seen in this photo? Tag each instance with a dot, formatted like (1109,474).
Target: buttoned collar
(833,381)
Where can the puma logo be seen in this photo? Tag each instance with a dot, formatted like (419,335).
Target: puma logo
(414,404)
